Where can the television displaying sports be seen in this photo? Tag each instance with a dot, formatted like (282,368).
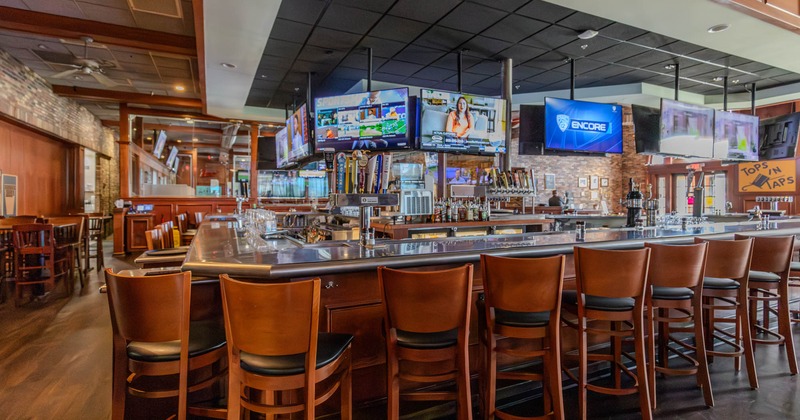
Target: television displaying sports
(376,120)
(158,146)
(462,123)
(297,135)
(173,153)
(778,137)
(582,126)
(735,136)
(282,148)
(686,129)
(646,129)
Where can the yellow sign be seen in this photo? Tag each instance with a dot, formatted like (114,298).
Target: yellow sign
(768,176)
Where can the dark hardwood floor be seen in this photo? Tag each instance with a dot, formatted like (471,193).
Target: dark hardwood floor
(55,363)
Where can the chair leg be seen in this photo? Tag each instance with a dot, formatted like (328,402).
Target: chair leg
(554,374)
(491,378)
(703,377)
(234,396)
(641,366)
(464,393)
(119,385)
(747,338)
(785,326)
(651,353)
(582,367)
(392,389)
(346,390)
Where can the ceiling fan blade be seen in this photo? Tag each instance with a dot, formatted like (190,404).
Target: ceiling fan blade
(103,79)
(64,74)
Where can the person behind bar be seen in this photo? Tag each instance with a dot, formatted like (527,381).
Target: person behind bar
(555,200)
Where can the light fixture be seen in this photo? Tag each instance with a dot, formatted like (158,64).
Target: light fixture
(717,78)
(588,34)
(670,67)
(263,76)
(42,47)
(270,125)
(77,77)
(149,138)
(180,88)
(194,139)
(719,28)
(584,46)
(735,81)
(228,65)
(179,141)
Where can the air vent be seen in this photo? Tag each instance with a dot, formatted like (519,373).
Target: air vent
(158,7)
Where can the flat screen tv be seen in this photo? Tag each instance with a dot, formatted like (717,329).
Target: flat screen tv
(375,120)
(687,130)
(646,129)
(531,129)
(266,154)
(173,153)
(462,123)
(297,135)
(735,136)
(778,137)
(579,126)
(158,146)
(282,148)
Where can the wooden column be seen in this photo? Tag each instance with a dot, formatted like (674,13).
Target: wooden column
(138,134)
(124,152)
(254,130)
(195,169)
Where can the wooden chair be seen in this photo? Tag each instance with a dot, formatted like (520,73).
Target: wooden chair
(181,222)
(274,345)
(34,253)
(675,297)
(522,302)
(198,218)
(153,337)
(725,287)
(6,260)
(769,282)
(67,242)
(96,232)
(154,238)
(426,321)
(610,287)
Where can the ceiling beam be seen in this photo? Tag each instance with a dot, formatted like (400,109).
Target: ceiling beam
(150,112)
(105,33)
(200,34)
(102,95)
(184,129)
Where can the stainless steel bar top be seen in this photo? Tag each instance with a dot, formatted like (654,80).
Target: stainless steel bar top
(218,248)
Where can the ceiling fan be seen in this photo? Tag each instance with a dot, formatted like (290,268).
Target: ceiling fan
(87,66)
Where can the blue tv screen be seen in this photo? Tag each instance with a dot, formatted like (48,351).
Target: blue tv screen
(582,126)
(376,120)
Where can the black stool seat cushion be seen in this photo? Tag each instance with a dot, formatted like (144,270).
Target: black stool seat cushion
(795,266)
(598,303)
(719,283)
(204,337)
(521,319)
(329,347)
(672,293)
(764,276)
(427,341)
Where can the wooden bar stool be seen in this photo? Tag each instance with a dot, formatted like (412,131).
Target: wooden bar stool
(153,339)
(522,302)
(725,287)
(274,345)
(610,287)
(675,297)
(769,282)
(426,322)
(34,254)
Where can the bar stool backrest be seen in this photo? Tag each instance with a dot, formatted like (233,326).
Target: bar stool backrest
(728,259)
(677,265)
(426,301)
(33,238)
(611,273)
(523,284)
(272,319)
(772,254)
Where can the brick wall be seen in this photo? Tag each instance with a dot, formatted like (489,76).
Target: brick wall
(567,169)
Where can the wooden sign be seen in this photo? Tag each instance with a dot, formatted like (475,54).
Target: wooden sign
(768,176)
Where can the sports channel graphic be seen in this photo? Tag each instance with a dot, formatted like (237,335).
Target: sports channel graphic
(582,126)
(455,122)
(371,120)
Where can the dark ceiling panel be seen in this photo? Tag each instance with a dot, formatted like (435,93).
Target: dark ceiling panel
(487,67)
(551,37)
(524,86)
(681,47)
(654,40)
(332,39)
(514,28)
(423,10)
(446,86)
(306,11)
(416,81)
(379,6)
(753,67)
(471,17)
(582,47)
(709,55)
(468,79)
(321,55)
(542,10)
(617,53)
(349,73)
(521,53)
(507,5)
(434,73)
(698,70)
(280,48)
(548,77)
(585,65)
(419,55)
(348,19)
(400,68)
(547,61)
(386,77)
(524,72)
(580,21)
(645,59)
(443,38)
(621,31)
(287,30)
(492,85)
(358,60)
(482,46)
(270,62)
(382,47)
(398,29)
(486,91)
(449,61)
(787,78)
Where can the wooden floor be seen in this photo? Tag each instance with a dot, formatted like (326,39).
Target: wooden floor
(55,363)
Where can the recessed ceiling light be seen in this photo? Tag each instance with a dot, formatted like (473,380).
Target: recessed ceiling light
(149,138)
(584,46)
(77,77)
(735,81)
(228,65)
(717,79)
(179,141)
(194,139)
(719,28)
(180,88)
(588,34)
(270,125)
(263,76)
(42,46)
(670,67)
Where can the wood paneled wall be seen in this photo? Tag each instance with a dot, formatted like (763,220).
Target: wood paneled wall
(41,165)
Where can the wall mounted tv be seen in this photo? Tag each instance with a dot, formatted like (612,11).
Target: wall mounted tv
(778,137)
(579,126)
(282,148)
(297,135)
(375,120)
(456,122)
(735,136)
(173,153)
(531,129)
(266,154)
(686,130)
(646,129)
(158,146)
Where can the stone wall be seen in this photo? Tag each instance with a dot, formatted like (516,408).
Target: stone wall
(568,169)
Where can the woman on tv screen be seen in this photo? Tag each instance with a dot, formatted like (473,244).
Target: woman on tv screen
(298,139)
(460,120)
